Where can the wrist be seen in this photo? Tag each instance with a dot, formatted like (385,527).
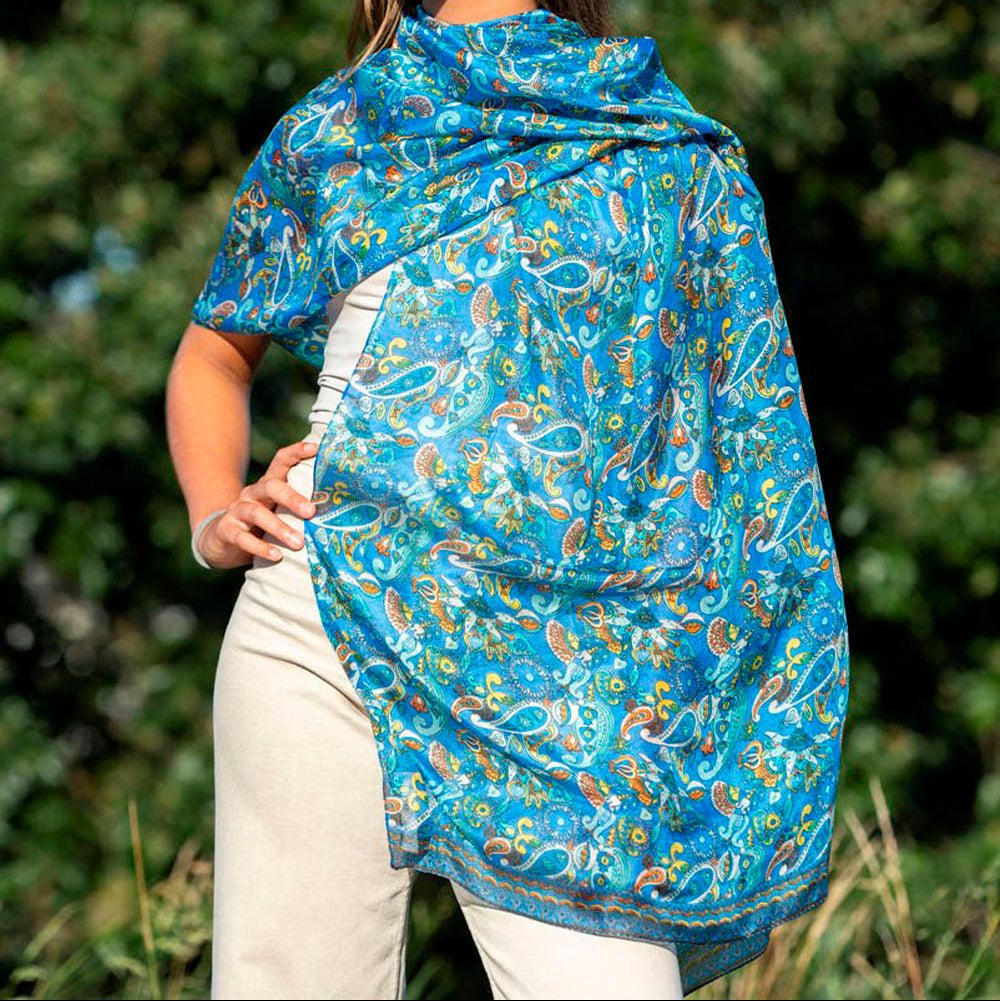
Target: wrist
(197,533)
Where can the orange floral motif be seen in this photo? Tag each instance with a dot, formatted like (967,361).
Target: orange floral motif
(570,542)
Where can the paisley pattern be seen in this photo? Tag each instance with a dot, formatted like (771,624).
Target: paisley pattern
(571,542)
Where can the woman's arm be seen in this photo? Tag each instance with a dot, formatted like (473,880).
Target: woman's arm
(208,415)
(208,434)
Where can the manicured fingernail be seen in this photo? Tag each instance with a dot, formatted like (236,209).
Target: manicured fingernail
(306,509)
(275,554)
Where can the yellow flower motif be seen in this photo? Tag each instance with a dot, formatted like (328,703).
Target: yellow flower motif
(414,314)
(664,706)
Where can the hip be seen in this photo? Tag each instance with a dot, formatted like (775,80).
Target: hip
(291,571)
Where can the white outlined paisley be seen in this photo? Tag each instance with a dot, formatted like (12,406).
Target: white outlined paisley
(571,541)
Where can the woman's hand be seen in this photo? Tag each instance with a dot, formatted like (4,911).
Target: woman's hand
(228,539)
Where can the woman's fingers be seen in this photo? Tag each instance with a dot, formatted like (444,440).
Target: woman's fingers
(226,542)
(252,513)
(285,494)
(272,487)
(255,545)
(288,456)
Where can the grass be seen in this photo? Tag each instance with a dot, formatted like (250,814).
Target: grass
(873,937)
(862,941)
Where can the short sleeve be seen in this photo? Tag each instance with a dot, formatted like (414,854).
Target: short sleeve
(267,277)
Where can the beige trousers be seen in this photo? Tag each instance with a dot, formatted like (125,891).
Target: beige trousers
(306,904)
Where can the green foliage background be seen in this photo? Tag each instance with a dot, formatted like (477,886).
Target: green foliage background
(872,128)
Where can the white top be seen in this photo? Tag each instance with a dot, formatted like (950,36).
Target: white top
(352,315)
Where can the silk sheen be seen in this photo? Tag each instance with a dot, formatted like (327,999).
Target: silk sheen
(571,541)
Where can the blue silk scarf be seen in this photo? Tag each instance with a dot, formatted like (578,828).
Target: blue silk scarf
(571,542)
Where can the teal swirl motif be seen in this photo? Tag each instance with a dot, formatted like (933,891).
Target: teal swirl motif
(571,541)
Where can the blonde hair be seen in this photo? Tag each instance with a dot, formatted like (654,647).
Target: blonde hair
(378,19)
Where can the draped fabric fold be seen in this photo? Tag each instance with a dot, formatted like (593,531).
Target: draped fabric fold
(571,540)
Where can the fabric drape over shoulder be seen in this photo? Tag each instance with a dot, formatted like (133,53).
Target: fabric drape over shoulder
(571,542)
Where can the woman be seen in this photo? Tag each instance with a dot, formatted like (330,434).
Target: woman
(546,601)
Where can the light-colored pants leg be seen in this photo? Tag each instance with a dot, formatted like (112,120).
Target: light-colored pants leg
(306,904)
(530,959)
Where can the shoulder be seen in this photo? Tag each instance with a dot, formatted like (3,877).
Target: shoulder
(311,120)
(702,178)
(298,148)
